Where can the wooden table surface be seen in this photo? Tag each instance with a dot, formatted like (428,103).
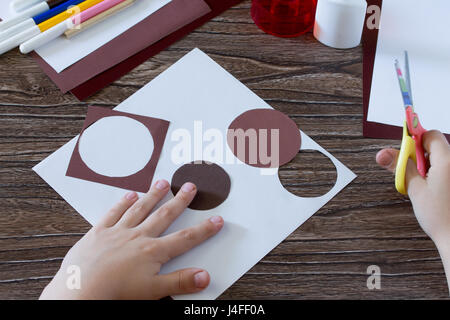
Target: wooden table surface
(320,88)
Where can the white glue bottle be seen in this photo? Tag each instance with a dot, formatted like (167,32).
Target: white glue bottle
(339,23)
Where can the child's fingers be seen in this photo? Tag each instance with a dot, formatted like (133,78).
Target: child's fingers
(414,181)
(116,212)
(387,158)
(161,219)
(142,208)
(182,282)
(436,145)
(184,240)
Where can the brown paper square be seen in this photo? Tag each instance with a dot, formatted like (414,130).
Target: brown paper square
(139,181)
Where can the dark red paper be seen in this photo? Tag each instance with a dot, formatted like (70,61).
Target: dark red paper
(100,81)
(374,129)
(171,17)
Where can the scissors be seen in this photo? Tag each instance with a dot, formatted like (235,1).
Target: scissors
(412,142)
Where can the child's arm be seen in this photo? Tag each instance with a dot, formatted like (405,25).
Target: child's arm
(121,257)
(444,251)
(430,196)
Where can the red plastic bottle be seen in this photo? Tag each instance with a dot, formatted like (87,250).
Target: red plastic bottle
(284,18)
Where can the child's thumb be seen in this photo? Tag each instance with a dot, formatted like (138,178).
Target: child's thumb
(387,158)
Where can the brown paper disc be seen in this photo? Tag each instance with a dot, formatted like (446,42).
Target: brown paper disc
(257,129)
(213,184)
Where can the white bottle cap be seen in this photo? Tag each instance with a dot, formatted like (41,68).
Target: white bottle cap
(339,23)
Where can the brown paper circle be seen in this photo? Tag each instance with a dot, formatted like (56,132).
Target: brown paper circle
(268,119)
(213,184)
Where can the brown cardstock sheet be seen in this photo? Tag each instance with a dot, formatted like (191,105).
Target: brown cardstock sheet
(268,119)
(107,77)
(161,23)
(213,183)
(141,180)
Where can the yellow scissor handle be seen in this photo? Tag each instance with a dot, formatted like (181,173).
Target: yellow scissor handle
(407,151)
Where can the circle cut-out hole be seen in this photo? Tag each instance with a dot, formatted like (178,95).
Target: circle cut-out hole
(310,174)
(116,146)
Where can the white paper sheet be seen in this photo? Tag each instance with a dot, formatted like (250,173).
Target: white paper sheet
(422,28)
(259,213)
(62,52)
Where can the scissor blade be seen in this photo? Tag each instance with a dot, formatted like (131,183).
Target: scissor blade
(403,86)
(408,77)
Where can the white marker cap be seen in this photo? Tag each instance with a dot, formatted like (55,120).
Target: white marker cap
(24,15)
(45,37)
(18,28)
(20,5)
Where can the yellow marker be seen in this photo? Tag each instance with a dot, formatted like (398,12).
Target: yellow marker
(63,16)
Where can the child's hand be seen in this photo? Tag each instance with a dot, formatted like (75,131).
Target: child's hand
(121,257)
(430,196)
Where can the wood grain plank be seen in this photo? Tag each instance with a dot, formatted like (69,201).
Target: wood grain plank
(320,88)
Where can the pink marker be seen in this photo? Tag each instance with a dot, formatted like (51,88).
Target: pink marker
(58,30)
(94,11)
